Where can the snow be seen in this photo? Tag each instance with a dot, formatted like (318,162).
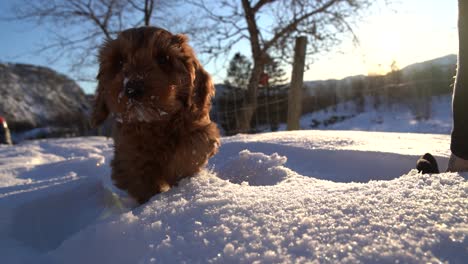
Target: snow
(393,118)
(36,96)
(307,196)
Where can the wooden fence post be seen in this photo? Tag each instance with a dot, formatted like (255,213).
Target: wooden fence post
(297,81)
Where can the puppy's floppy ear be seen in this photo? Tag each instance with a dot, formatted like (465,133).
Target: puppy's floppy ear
(203,90)
(100,109)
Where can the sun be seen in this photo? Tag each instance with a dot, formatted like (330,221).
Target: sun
(403,39)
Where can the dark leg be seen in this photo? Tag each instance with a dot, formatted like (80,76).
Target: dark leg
(459,144)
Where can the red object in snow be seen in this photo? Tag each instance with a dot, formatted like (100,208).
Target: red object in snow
(264,79)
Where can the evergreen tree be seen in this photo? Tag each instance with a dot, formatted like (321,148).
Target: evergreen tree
(238,73)
(276,74)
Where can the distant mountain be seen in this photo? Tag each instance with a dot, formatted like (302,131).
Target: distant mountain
(442,62)
(35,97)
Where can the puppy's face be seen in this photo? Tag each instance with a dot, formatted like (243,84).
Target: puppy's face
(146,75)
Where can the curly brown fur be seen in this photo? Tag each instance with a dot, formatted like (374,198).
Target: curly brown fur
(159,95)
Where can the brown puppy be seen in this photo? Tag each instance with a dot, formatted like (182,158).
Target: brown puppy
(159,96)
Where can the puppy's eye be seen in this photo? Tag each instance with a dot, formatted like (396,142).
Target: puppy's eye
(161,60)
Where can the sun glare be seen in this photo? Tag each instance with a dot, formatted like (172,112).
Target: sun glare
(408,35)
(405,39)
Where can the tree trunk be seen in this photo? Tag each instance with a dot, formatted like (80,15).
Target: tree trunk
(250,106)
(297,81)
(148,11)
(248,110)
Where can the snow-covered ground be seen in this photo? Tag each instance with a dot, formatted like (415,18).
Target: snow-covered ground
(302,197)
(393,118)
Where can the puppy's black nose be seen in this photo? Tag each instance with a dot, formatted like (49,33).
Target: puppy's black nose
(134,89)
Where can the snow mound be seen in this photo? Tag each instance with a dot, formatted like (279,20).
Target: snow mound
(416,218)
(254,169)
(271,198)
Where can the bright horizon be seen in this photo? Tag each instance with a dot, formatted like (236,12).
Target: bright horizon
(406,32)
(409,32)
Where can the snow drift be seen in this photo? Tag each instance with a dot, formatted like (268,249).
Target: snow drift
(306,196)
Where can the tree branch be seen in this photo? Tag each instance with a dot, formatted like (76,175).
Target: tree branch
(293,25)
(260,4)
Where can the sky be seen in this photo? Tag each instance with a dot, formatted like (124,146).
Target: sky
(407,31)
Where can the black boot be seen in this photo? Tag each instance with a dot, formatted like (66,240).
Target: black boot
(427,164)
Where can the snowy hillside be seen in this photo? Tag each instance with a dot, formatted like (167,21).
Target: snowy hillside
(394,118)
(38,97)
(306,196)
(442,62)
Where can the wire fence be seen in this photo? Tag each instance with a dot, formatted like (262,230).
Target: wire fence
(272,102)
(271,111)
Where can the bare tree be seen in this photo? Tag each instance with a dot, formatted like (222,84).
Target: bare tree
(270,27)
(78,27)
